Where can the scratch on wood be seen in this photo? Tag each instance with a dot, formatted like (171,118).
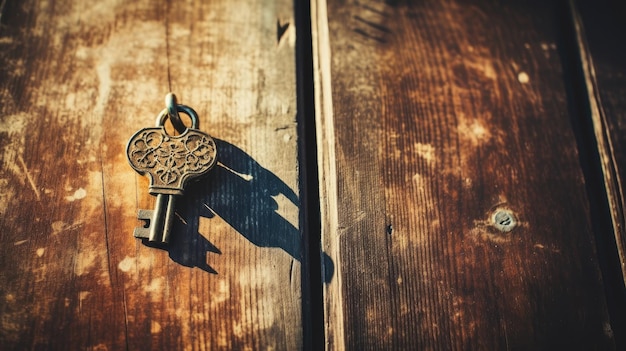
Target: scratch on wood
(125,318)
(210,209)
(247,177)
(106,223)
(181,218)
(82,295)
(60,226)
(372,24)
(29,177)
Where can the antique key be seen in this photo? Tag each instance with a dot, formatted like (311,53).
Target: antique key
(170,161)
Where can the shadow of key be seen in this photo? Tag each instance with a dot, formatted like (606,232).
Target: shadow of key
(239,191)
(187,250)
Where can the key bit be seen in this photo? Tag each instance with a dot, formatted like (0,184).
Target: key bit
(143,232)
(170,161)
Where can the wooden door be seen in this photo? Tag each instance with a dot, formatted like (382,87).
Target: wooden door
(391,175)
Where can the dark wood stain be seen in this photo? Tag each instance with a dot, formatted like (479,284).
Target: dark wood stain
(459,112)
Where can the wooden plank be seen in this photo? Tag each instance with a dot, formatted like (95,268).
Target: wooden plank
(598,84)
(76,80)
(453,201)
(325,134)
(604,71)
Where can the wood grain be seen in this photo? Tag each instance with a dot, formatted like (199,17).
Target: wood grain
(598,83)
(434,117)
(76,80)
(605,83)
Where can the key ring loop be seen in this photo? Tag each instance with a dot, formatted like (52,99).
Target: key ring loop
(172,111)
(163,115)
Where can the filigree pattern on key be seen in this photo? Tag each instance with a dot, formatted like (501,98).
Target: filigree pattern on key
(169,159)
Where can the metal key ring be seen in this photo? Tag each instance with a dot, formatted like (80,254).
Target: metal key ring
(170,103)
(160,120)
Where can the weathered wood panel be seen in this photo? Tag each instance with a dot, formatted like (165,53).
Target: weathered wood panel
(76,80)
(453,201)
(599,26)
(596,60)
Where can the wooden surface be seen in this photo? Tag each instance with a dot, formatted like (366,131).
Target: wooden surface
(469,191)
(433,117)
(77,79)
(598,86)
(603,61)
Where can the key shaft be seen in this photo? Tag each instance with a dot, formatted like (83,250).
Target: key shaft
(162,218)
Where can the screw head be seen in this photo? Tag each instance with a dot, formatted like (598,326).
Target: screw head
(504,220)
